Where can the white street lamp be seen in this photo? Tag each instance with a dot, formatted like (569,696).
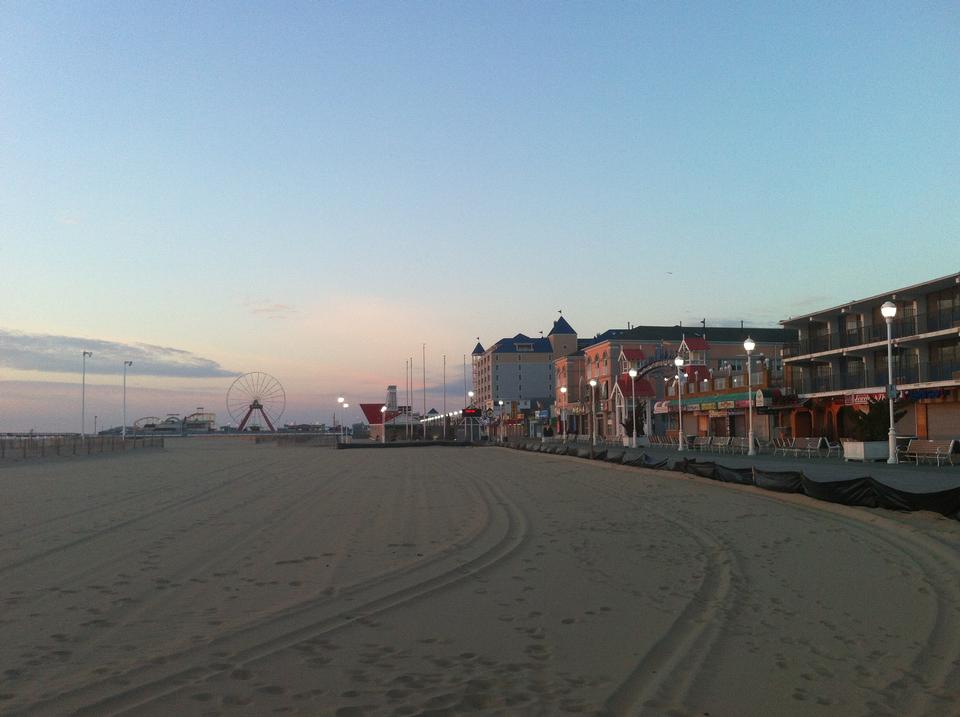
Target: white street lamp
(500,403)
(343,421)
(83,393)
(678,362)
(123,430)
(563,412)
(633,386)
(593,411)
(749,346)
(889,310)
(383,424)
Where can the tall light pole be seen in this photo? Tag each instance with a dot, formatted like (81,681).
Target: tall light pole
(444,396)
(678,362)
(383,424)
(467,418)
(749,346)
(500,403)
(83,393)
(340,400)
(563,409)
(343,421)
(633,387)
(123,430)
(889,310)
(424,383)
(593,411)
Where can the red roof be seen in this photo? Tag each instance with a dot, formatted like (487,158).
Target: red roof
(371,411)
(696,344)
(644,387)
(633,354)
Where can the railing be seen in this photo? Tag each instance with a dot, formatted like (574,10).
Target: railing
(943,370)
(903,373)
(23,447)
(900,328)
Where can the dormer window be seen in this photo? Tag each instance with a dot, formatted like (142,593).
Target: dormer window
(524,347)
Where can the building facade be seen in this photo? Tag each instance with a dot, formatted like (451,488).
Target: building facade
(840,360)
(709,353)
(519,370)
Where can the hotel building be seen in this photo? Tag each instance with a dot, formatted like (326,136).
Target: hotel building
(841,360)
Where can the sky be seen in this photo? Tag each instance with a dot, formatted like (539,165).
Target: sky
(316,190)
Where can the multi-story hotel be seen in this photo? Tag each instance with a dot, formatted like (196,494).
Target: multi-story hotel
(841,360)
(519,370)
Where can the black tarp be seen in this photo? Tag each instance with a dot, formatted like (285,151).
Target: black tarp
(856,491)
(643,461)
(780,481)
(864,491)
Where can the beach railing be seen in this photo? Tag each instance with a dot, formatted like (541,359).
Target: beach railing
(27,447)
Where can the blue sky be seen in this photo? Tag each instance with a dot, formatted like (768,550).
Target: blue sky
(313,189)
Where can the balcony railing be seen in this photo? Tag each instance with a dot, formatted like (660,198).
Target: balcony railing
(901,328)
(903,373)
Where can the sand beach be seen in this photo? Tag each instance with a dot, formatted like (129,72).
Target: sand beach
(228,578)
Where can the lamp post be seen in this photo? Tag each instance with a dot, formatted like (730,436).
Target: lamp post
(340,403)
(343,421)
(633,388)
(593,411)
(468,421)
(500,403)
(563,412)
(123,429)
(678,362)
(83,393)
(889,310)
(749,346)
(383,424)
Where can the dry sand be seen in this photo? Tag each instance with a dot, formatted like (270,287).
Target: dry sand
(228,578)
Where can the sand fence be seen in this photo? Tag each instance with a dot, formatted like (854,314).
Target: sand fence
(18,448)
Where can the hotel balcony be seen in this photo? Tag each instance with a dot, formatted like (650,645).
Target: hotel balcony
(916,328)
(911,374)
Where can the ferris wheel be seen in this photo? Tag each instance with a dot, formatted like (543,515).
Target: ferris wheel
(256,393)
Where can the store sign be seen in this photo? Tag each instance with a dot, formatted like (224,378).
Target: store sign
(921,393)
(725,404)
(718,414)
(860,399)
(708,406)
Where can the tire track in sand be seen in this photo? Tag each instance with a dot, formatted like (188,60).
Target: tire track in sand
(504,531)
(663,676)
(935,666)
(114,527)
